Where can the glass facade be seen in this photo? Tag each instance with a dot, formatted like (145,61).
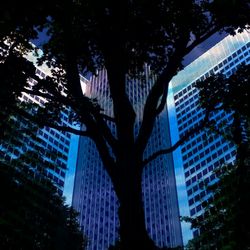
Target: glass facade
(93,195)
(202,153)
(53,140)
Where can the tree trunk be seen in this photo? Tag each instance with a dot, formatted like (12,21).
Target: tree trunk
(133,233)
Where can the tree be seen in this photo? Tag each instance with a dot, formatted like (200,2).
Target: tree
(32,213)
(121,37)
(224,223)
(117,246)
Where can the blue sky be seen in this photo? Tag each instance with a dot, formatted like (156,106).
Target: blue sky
(203,47)
(70,174)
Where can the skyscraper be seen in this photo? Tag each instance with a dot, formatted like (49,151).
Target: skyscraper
(53,140)
(202,153)
(94,197)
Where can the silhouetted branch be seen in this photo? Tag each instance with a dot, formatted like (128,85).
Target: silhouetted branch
(68,129)
(43,122)
(163,101)
(201,39)
(160,90)
(179,142)
(108,118)
(38,93)
(98,118)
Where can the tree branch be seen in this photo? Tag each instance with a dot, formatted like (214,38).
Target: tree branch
(38,93)
(108,118)
(106,132)
(86,114)
(163,101)
(199,40)
(159,90)
(43,122)
(179,142)
(96,124)
(68,129)
(121,103)
(92,133)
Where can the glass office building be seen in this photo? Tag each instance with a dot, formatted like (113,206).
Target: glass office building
(93,195)
(53,140)
(202,153)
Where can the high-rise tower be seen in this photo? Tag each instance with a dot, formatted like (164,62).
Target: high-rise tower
(57,142)
(93,194)
(201,154)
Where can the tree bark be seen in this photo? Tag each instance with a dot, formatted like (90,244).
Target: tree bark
(133,233)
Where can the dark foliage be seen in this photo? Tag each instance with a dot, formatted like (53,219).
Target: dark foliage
(32,213)
(225,221)
(118,246)
(120,36)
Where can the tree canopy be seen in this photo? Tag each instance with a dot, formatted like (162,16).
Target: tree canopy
(33,215)
(87,36)
(225,219)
